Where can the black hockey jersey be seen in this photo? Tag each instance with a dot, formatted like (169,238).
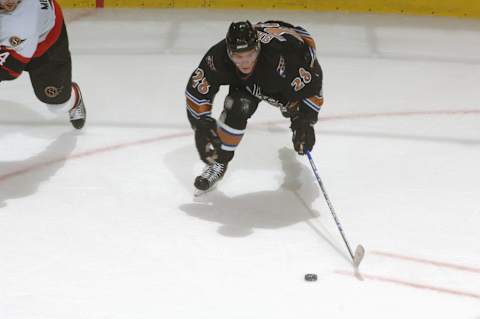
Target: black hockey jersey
(286,72)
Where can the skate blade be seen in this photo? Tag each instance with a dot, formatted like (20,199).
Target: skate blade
(198,192)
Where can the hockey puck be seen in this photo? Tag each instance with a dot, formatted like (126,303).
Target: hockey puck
(311,277)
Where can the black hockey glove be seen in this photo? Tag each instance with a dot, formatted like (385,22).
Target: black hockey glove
(206,139)
(303,137)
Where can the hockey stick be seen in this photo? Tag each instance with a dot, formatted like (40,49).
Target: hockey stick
(359,251)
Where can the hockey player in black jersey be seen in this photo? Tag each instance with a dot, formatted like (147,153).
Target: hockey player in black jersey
(272,61)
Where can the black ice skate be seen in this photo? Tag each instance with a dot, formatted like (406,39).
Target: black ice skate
(78,113)
(211,174)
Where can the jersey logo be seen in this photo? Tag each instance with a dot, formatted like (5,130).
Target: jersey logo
(257,92)
(52,91)
(15,41)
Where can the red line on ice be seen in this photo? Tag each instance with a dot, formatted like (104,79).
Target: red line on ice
(400,114)
(155,139)
(411,284)
(426,261)
(359,116)
(96,151)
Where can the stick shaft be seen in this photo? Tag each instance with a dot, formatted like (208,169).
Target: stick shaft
(329,203)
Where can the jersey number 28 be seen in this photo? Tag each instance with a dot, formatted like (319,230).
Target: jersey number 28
(200,82)
(299,82)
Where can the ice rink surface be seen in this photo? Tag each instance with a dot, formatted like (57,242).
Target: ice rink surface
(103,224)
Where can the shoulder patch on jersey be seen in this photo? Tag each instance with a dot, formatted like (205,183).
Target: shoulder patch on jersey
(264,37)
(15,41)
(210,63)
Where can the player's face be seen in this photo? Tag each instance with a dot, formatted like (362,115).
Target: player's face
(245,61)
(8,5)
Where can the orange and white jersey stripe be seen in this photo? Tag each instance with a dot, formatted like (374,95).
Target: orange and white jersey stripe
(314,102)
(229,136)
(198,107)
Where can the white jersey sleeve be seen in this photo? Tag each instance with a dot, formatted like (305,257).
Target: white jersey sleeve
(24,33)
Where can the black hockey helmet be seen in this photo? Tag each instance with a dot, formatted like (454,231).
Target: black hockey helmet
(241,36)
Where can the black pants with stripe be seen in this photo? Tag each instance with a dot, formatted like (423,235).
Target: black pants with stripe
(51,73)
(239,106)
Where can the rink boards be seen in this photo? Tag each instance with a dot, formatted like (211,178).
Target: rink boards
(457,8)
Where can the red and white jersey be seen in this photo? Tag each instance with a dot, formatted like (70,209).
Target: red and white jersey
(27,32)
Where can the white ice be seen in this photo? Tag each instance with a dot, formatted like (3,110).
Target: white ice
(103,223)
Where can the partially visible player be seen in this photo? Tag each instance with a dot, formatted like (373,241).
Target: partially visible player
(272,61)
(33,38)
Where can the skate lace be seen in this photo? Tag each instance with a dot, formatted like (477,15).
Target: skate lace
(76,113)
(213,171)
